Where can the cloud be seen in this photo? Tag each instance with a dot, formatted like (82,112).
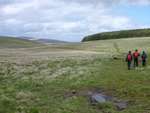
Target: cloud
(62,19)
(139,2)
(111,2)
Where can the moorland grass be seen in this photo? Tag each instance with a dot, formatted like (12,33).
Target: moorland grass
(34,88)
(44,84)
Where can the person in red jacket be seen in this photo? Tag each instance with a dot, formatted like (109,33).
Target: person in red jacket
(136,55)
(129,60)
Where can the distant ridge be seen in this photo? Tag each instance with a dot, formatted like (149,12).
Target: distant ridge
(50,41)
(14,42)
(43,40)
(118,34)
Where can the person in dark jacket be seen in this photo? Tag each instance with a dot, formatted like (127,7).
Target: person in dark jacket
(144,58)
(136,55)
(129,60)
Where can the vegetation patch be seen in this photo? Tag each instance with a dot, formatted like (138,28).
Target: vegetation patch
(118,34)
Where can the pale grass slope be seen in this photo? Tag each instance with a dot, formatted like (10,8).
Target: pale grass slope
(103,48)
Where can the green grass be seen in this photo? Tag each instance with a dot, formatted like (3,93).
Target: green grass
(34,88)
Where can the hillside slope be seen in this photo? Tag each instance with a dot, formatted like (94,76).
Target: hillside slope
(49,41)
(43,40)
(118,35)
(12,42)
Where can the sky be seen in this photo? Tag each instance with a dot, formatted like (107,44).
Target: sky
(71,20)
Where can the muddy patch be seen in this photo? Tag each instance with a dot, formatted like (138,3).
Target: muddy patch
(101,97)
(96,97)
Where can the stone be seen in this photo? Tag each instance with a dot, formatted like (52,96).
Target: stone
(97,98)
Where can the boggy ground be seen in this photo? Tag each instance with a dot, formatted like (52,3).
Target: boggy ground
(41,86)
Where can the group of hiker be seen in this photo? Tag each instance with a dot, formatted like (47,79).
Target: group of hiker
(136,58)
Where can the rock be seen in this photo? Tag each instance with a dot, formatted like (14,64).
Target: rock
(97,98)
(121,105)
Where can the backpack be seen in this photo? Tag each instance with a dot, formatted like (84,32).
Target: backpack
(144,56)
(129,57)
(136,54)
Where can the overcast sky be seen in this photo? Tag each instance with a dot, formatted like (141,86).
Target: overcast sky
(71,20)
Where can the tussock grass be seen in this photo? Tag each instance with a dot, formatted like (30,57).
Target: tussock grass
(41,86)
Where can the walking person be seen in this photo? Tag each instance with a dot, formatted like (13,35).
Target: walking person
(144,58)
(136,55)
(129,60)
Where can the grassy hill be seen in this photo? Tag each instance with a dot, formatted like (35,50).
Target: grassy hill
(12,42)
(118,34)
